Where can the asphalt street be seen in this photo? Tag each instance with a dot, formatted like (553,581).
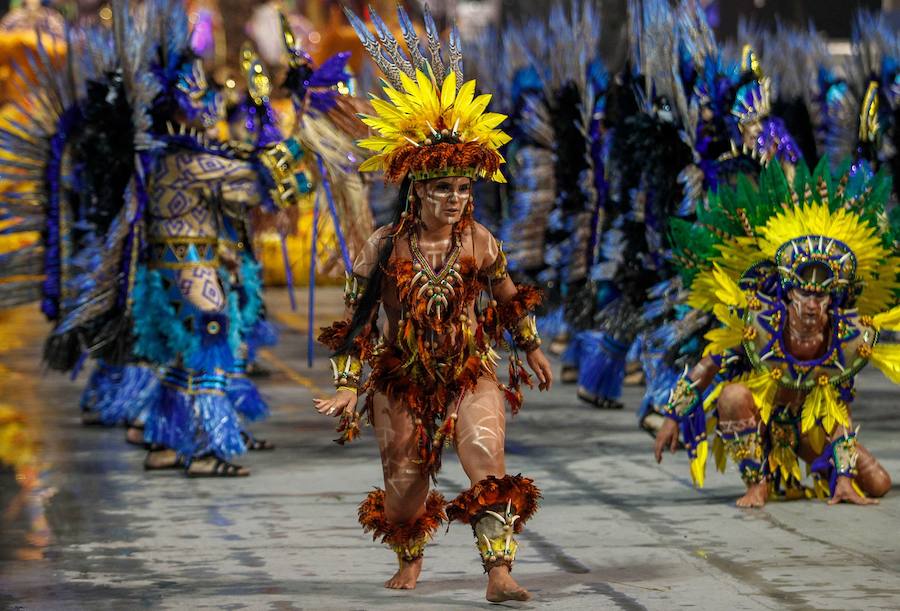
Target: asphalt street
(84,527)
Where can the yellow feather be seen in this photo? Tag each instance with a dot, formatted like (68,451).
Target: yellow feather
(410,88)
(372,164)
(465,95)
(464,112)
(428,96)
(763,387)
(385,129)
(448,91)
(887,358)
(888,320)
(816,437)
(824,404)
(722,339)
(710,400)
(726,337)
(720,454)
(490,120)
(728,291)
(386,110)
(376,143)
(398,99)
(698,464)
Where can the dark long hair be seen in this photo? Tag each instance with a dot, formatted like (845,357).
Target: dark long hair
(371,298)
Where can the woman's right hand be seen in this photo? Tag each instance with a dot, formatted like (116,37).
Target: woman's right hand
(667,437)
(343,401)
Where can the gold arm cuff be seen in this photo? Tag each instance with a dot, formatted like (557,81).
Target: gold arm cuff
(526,334)
(347,370)
(282,161)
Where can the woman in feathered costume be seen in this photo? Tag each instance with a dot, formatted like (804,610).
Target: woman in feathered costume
(802,277)
(440,282)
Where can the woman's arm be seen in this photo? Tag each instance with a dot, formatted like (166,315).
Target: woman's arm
(346,363)
(515,304)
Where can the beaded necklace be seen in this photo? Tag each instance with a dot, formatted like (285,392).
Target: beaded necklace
(437,287)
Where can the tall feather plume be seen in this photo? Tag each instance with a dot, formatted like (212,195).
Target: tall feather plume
(635,24)
(694,32)
(872,39)
(455,54)
(411,38)
(434,47)
(370,44)
(120,22)
(390,45)
(658,46)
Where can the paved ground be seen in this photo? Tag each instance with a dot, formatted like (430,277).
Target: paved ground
(616,530)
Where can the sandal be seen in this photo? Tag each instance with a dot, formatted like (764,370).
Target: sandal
(91,418)
(175,462)
(597,401)
(255,370)
(256,445)
(568,374)
(219,468)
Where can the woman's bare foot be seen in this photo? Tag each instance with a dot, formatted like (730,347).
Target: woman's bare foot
(162,458)
(501,586)
(756,496)
(134,435)
(406,576)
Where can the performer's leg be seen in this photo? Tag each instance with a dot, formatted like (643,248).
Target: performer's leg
(193,415)
(497,504)
(404,515)
(406,488)
(739,424)
(481,432)
(871,476)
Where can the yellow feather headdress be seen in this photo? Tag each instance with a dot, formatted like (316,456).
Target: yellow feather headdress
(830,238)
(430,123)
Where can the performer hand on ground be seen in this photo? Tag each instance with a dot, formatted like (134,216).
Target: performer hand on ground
(343,401)
(539,364)
(844,492)
(666,437)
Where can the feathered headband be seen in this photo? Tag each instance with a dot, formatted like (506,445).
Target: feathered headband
(431,123)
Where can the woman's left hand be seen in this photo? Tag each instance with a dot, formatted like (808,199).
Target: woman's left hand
(844,493)
(539,364)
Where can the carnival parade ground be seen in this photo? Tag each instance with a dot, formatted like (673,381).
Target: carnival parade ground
(84,527)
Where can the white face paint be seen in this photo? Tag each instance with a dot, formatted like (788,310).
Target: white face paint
(443,200)
(810,309)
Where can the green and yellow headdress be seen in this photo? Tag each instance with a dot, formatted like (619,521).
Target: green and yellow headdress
(759,239)
(431,123)
(750,235)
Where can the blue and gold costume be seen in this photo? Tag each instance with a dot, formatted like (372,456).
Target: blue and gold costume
(748,252)
(125,173)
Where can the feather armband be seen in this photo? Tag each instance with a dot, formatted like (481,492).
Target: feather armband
(844,454)
(683,399)
(526,334)
(838,459)
(515,315)
(347,370)
(354,286)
